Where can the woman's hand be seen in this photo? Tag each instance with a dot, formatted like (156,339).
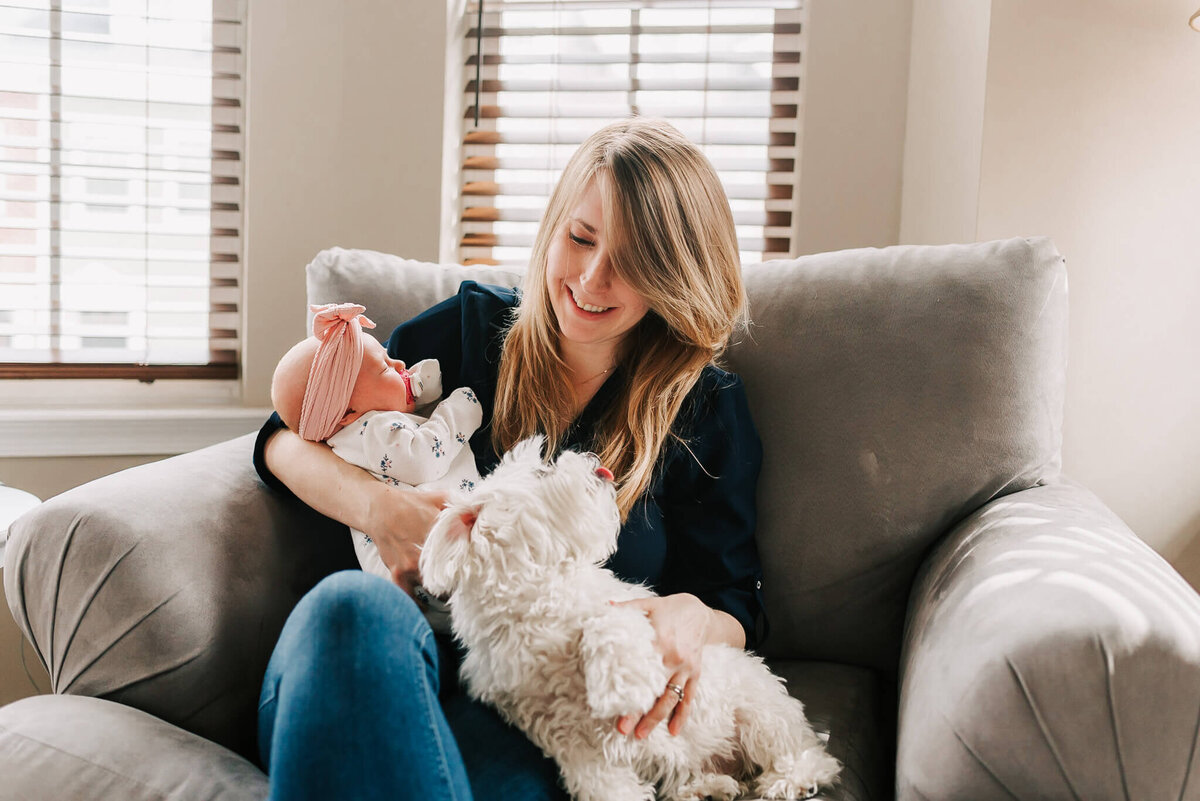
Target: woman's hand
(396,518)
(683,625)
(398,521)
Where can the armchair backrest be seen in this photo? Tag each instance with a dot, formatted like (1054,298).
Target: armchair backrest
(896,390)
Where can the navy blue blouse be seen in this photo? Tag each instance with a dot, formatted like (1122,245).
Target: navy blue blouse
(693,531)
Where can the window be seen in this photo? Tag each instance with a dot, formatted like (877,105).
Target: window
(120,188)
(725,72)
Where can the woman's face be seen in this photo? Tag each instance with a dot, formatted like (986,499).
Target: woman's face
(592,304)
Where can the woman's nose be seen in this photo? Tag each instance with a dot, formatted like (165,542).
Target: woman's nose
(597,273)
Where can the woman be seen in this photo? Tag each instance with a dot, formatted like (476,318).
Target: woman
(633,290)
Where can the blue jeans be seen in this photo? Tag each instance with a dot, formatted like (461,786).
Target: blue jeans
(361,701)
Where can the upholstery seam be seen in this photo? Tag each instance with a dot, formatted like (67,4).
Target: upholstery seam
(1187,771)
(982,764)
(1042,726)
(113,644)
(95,591)
(62,563)
(1112,712)
(27,629)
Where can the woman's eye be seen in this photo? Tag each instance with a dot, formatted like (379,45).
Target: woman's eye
(579,240)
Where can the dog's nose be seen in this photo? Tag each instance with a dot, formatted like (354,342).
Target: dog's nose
(604,473)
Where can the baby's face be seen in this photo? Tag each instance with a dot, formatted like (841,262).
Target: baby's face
(381,384)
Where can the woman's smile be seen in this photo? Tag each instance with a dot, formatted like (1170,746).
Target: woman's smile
(590,308)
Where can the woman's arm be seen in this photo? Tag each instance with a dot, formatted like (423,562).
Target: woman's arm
(711,583)
(396,518)
(726,630)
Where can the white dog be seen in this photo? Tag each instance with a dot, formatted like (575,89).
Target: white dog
(519,559)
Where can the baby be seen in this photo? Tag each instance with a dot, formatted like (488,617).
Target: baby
(340,386)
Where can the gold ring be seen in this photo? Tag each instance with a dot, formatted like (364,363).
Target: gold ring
(675,688)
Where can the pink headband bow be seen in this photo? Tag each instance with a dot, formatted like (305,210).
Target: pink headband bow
(334,368)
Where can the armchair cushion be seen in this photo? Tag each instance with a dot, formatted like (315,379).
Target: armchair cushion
(855,707)
(1050,653)
(72,748)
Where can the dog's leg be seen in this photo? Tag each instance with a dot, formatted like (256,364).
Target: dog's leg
(601,782)
(623,673)
(777,737)
(798,774)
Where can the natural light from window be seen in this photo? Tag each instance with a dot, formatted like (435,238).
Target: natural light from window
(115,206)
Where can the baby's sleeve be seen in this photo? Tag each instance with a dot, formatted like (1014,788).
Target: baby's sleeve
(417,453)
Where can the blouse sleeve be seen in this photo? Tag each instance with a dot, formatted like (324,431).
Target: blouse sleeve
(272,425)
(708,506)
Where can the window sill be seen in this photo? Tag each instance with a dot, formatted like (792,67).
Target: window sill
(121,432)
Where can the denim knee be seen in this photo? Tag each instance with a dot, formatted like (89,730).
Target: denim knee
(350,698)
(356,618)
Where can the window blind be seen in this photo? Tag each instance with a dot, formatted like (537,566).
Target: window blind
(726,73)
(120,188)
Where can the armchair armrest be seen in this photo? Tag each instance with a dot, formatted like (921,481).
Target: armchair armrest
(165,586)
(1049,653)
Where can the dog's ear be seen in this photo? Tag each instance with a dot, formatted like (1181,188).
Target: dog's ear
(444,555)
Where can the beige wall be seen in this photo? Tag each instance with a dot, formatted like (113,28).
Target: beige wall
(344,125)
(48,477)
(855,89)
(947,78)
(1092,135)
(1088,133)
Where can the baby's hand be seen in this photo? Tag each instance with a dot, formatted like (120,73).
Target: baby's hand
(466,395)
(468,413)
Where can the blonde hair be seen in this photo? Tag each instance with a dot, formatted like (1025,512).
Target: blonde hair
(670,236)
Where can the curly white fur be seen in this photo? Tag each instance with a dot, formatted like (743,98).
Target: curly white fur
(519,559)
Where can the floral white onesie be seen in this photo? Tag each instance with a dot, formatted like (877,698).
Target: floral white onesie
(409,449)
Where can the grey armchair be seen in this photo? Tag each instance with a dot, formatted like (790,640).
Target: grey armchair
(964,622)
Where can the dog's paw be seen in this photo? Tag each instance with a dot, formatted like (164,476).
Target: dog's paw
(711,785)
(801,779)
(816,767)
(778,788)
(615,788)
